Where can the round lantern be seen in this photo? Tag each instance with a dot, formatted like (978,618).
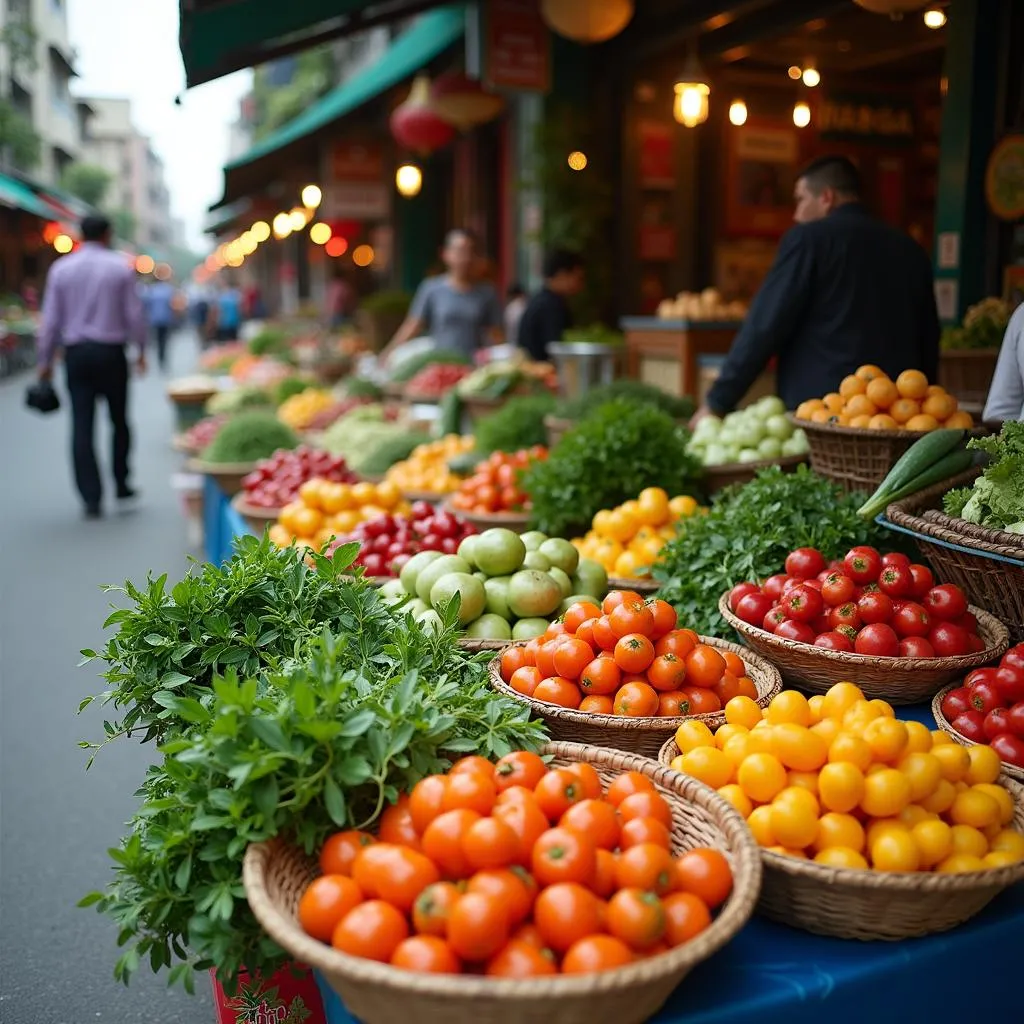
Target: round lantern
(463,101)
(416,123)
(894,8)
(587,21)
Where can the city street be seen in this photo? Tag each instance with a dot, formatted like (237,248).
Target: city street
(56,961)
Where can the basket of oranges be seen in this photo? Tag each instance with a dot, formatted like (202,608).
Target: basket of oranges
(524,935)
(855,434)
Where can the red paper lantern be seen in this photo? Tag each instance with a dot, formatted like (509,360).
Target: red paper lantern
(463,101)
(416,124)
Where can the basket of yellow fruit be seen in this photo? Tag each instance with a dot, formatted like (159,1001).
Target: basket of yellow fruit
(857,433)
(425,475)
(627,540)
(870,827)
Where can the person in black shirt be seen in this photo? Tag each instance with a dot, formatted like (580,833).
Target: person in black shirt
(845,289)
(547,314)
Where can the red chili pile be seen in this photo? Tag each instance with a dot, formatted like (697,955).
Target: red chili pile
(434,380)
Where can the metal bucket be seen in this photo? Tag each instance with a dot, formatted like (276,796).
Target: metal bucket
(583,365)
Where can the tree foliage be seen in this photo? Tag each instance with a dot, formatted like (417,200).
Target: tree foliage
(87,181)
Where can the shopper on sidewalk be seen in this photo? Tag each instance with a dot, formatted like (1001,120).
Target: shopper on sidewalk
(92,307)
(159,299)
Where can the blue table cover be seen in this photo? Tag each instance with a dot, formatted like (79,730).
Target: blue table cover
(771,974)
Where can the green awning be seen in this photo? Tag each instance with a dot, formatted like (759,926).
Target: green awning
(220,36)
(428,37)
(20,197)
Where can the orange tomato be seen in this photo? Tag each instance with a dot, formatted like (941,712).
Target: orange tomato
(425,954)
(705,873)
(704,666)
(557,792)
(631,617)
(478,926)
(395,873)
(432,907)
(644,830)
(673,704)
(597,704)
(325,902)
(595,819)
(490,843)
(601,677)
(678,642)
(525,680)
(578,613)
(372,930)
(528,822)
(572,657)
(340,850)
(558,690)
(637,918)
(521,768)
(520,959)
(596,953)
(562,855)
(604,882)
(686,915)
(636,700)
(617,597)
(588,777)
(565,913)
(634,652)
(646,866)
(646,804)
(514,887)
(442,841)
(626,785)
(396,825)
(471,790)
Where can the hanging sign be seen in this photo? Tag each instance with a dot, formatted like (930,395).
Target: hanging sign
(1004,179)
(517,53)
(356,185)
(865,118)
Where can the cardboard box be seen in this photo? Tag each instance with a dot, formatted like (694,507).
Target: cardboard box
(291,996)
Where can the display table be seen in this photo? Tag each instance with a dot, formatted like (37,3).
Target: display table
(771,974)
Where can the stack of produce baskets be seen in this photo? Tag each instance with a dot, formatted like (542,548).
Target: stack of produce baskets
(988,565)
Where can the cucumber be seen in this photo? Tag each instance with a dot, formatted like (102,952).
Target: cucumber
(951,465)
(923,453)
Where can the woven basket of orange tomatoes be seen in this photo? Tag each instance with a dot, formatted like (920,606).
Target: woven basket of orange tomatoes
(857,433)
(492,496)
(577,888)
(623,675)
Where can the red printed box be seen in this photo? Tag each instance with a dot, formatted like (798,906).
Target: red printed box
(289,997)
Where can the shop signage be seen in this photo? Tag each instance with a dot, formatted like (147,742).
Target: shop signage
(865,118)
(656,155)
(356,161)
(1004,178)
(356,187)
(517,51)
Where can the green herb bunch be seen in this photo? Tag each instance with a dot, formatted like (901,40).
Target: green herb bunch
(634,390)
(269,342)
(324,742)
(996,500)
(249,436)
(518,424)
(747,534)
(288,388)
(613,454)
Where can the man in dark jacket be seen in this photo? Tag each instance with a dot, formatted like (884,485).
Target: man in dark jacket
(547,315)
(845,289)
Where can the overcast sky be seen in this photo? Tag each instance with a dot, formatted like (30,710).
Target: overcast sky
(130,48)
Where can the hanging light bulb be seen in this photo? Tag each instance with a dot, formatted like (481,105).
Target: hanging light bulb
(934,17)
(311,197)
(282,225)
(795,72)
(690,107)
(737,113)
(408,180)
(801,115)
(577,160)
(320,234)
(260,231)
(810,75)
(297,218)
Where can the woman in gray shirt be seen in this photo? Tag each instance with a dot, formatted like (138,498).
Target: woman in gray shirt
(1006,394)
(460,313)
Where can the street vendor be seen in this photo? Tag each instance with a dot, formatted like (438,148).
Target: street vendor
(1006,394)
(845,289)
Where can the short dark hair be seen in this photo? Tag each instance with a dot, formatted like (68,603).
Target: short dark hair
(838,173)
(558,261)
(95,227)
(515,290)
(468,235)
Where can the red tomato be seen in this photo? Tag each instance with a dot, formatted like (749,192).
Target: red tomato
(949,639)
(997,721)
(916,647)
(814,584)
(875,607)
(837,589)
(753,607)
(896,581)
(804,563)
(910,619)
(802,603)
(985,698)
(774,618)
(833,641)
(895,558)
(1014,656)
(956,702)
(774,585)
(980,675)
(1009,682)
(878,640)
(1010,749)
(848,631)
(946,602)
(845,615)
(798,631)
(971,725)
(740,591)
(863,564)
(1015,719)
(969,622)
(923,580)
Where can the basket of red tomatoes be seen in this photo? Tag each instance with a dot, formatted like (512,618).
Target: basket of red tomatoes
(492,496)
(877,619)
(988,707)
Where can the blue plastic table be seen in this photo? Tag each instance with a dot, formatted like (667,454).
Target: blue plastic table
(771,974)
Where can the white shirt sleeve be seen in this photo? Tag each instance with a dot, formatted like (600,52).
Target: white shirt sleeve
(1006,394)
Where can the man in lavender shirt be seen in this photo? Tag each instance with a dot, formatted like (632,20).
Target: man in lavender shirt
(92,307)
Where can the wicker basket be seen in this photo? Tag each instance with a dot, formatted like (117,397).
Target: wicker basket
(637,584)
(967,373)
(896,680)
(482,645)
(517,522)
(988,565)
(228,475)
(276,875)
(256,518)
(717,478)
(433,497)
(636,735)
(946,726)
(856,458)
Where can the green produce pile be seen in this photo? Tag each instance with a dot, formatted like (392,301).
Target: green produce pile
(320,706)
(747,534)
(495,380)
(249,436)
(270,342)
(595,334)
(388,450)
(760,432)
(356,435)
(289,387)
(997,498)
(408,368)
(606,459)
(635,391)
(983,327)
(360,387)
(516,425)
(237,399)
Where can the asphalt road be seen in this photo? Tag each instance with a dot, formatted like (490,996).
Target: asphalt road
(56,820)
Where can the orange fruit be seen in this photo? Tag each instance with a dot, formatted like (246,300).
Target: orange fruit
(922,423)
(912,384)
(882,392)
(860,405)
(868,372)
(882,422)
(852,385)
(833,402)
(805,409)
(960,420)
(860,422)
(822,416)
(940,406)
(904,409)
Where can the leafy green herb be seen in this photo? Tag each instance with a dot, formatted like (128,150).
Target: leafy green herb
(953,501)
(997,499)
(387,451)
(323,742)
(516,425)
(634,390)
(618,450)
(269,342)
(250,436)
(289,387)
(360,387)
(747,534)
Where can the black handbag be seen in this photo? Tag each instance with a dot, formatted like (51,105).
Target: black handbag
(42,397)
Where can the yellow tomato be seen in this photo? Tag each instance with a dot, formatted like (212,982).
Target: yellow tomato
(388,494)
(803,780)
(737,747)
(984,767)
(280,536)
(693,734)
(999,859)
(975,808)
(817,705)
(600,522)
(760,823)
(847,746)
(743,711)
(311,494)
(652,506)
(954,759)
(969,840)
(828,729)
(761,776)
(1009,841)
(841,857)
(923,772)
(934,841)
(887,739)
(789,706)
(710,765)
(841,786)
(794,817)
(621,526)
(942,797)
(839,698)
(738,799)
(895,850)
(886,793)
(919,739)
(724,733)
(960,864)
(682,506)
(1001,797)
(798,748)
(839,830)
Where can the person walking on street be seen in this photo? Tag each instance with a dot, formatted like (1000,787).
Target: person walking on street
(845,289)
(92,307)
(227,313)
(159,300)
(547,315)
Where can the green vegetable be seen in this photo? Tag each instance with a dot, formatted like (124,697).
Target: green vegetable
(997,498)
(617,451)
(983,327)
(249,436)
(237,399)
(359,387)
(289,387)
(634,390)
(408,368)
(367,707)
(516,425)
(270,342)
(595,334)
(914,469)
(449,420)
(357,434)
(747,534)
(389,450)
(953,501)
